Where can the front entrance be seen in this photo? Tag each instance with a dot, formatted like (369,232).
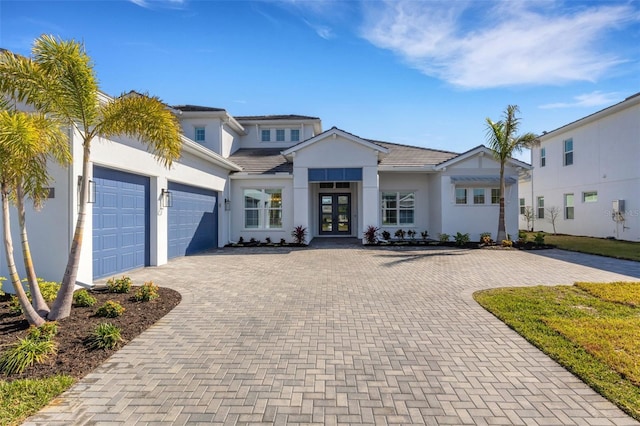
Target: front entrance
(335,214)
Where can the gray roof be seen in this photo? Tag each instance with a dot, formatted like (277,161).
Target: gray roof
(275,117)
(405,155)
(261,160)
(193,108)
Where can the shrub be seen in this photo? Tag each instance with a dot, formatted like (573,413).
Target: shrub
(241,240)
(411,233)
(371,234)
(282,241)
(424,235)
(46,331)
(25,353)
(386,235)
(110,309)
(400,233)
(119,285)
(461,239)
(444,237)
(14,306)
(1,292)
(485,238)
(539,238)
(147,292)
(507,243)
(299,234)
(104,336)
(82,298)
(268,240)
(48,289)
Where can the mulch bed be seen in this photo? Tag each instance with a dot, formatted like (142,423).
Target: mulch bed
(73,357)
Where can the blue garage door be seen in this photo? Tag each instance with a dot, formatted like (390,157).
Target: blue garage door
(120,222)
(193,220)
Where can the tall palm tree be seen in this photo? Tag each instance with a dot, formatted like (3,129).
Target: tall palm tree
(503,139)
(60,80)
(27,140)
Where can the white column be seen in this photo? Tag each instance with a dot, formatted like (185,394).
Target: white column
(158,223)
(301,199)
(370,199)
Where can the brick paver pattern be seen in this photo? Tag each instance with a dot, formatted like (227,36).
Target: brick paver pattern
(342,335)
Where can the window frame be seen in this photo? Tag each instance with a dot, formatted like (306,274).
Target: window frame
(264,209)
(543,157)
(280,135)
(586,194)
(567,157)
(398,208)
(297,133)
(495,197)
(264,132)
(523,205)
(477,196)
(569,206)
(540,207)
(460,201)
(196,131)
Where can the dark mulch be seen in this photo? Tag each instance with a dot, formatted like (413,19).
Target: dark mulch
(73,357)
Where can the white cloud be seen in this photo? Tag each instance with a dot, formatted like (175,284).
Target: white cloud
(170,4)
(323,31)
(593,99)
(483,44)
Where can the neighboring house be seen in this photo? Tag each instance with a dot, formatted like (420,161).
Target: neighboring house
(258,177)
(589,172)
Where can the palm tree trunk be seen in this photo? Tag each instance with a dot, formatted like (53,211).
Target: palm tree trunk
(502,233)
(37,300)
(30,314)
(62,305)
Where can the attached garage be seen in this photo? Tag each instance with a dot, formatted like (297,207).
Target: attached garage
(192,221)
(120,222)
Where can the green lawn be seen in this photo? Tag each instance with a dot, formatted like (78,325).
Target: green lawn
(592,329)
(602,246)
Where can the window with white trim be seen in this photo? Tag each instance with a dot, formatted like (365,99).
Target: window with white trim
(478,195)
(568,152)
(461,195)
(522,206)
(590,197)
(199,134)
(263,208)
(265,135)
(568,206)
(295,135)
(279,135)
(495,195)
(398,208)
(540,205)
(543,157)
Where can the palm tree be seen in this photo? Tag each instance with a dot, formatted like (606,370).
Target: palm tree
(503,140)
(26,142)
(61,81)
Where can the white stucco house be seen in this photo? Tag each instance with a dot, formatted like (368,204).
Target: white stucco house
(258,177)
(589,170)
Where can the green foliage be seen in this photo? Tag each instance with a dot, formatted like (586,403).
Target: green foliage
(485,238)
(82,298)
(400,233)
(507,243)
(539,238)
(424,234)
(119,285)
(14,306)
(461,239)
(1,280)
(411,233)
(110,309)
(601,246)
(48,289)
(444,237)
(386,235)
(623,292)
(46,331)
(594,338)
(147,292)
(104,336)
(25,353)
(22,398)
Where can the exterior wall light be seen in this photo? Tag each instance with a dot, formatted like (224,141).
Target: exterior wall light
(166,200)
(227,204)
(91,195)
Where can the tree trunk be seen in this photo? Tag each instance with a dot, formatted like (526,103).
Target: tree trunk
(37,300)
(62,305)
(30,314)
(502,233)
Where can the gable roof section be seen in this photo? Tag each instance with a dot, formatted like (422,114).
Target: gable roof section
(261,161)
(479,150)
(205,153)
(274,117)
(197,108)
(333,132)
(411,156)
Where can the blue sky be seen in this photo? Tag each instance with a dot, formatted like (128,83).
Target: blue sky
(423,73)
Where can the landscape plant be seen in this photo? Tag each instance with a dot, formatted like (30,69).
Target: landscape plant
(386,235)
(82,298)
(485,238)
(60,81)
(539,238)
(119,285)
(104,336)
(528,216)
(424,235)
(371,234)
(412,234)
(552,216)
(503,140)
(461,239)
(148,291)
(400,233)
(444,238)
(299,234)
(36,347)
(110,309)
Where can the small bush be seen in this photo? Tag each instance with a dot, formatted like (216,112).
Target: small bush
(46,331)
(485,238)
(268,240)
(539,238)
(461,239)
(507,243)
(119,285)
(110,309)
(386,235)
(371,234)
(282,241)
(299,234)
(1,279)
(444,237)
(147,292)
(400,233)
(411,233)
(25,353)
(48,289)
(424,235)
(14,306)
(83,299)
(104,336)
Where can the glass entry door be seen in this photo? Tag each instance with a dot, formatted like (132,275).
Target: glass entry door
(335,214)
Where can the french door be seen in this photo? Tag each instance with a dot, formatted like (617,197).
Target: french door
(335,214)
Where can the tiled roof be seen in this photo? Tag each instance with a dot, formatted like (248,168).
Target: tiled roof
(261,160)
(193,108)
(275,117)
(405,155)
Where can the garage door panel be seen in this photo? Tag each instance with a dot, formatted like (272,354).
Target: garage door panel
(192,221)
(120,222)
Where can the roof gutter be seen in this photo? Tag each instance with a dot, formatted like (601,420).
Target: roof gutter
(195,148)
(423,168)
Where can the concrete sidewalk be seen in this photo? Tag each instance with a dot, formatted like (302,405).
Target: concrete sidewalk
(342,335)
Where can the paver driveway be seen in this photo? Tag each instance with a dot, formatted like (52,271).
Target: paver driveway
(342,335)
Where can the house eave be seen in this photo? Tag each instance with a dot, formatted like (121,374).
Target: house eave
(408,169)
(261,176)
(200,151)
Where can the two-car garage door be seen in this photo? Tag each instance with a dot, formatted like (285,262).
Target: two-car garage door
(121,221)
